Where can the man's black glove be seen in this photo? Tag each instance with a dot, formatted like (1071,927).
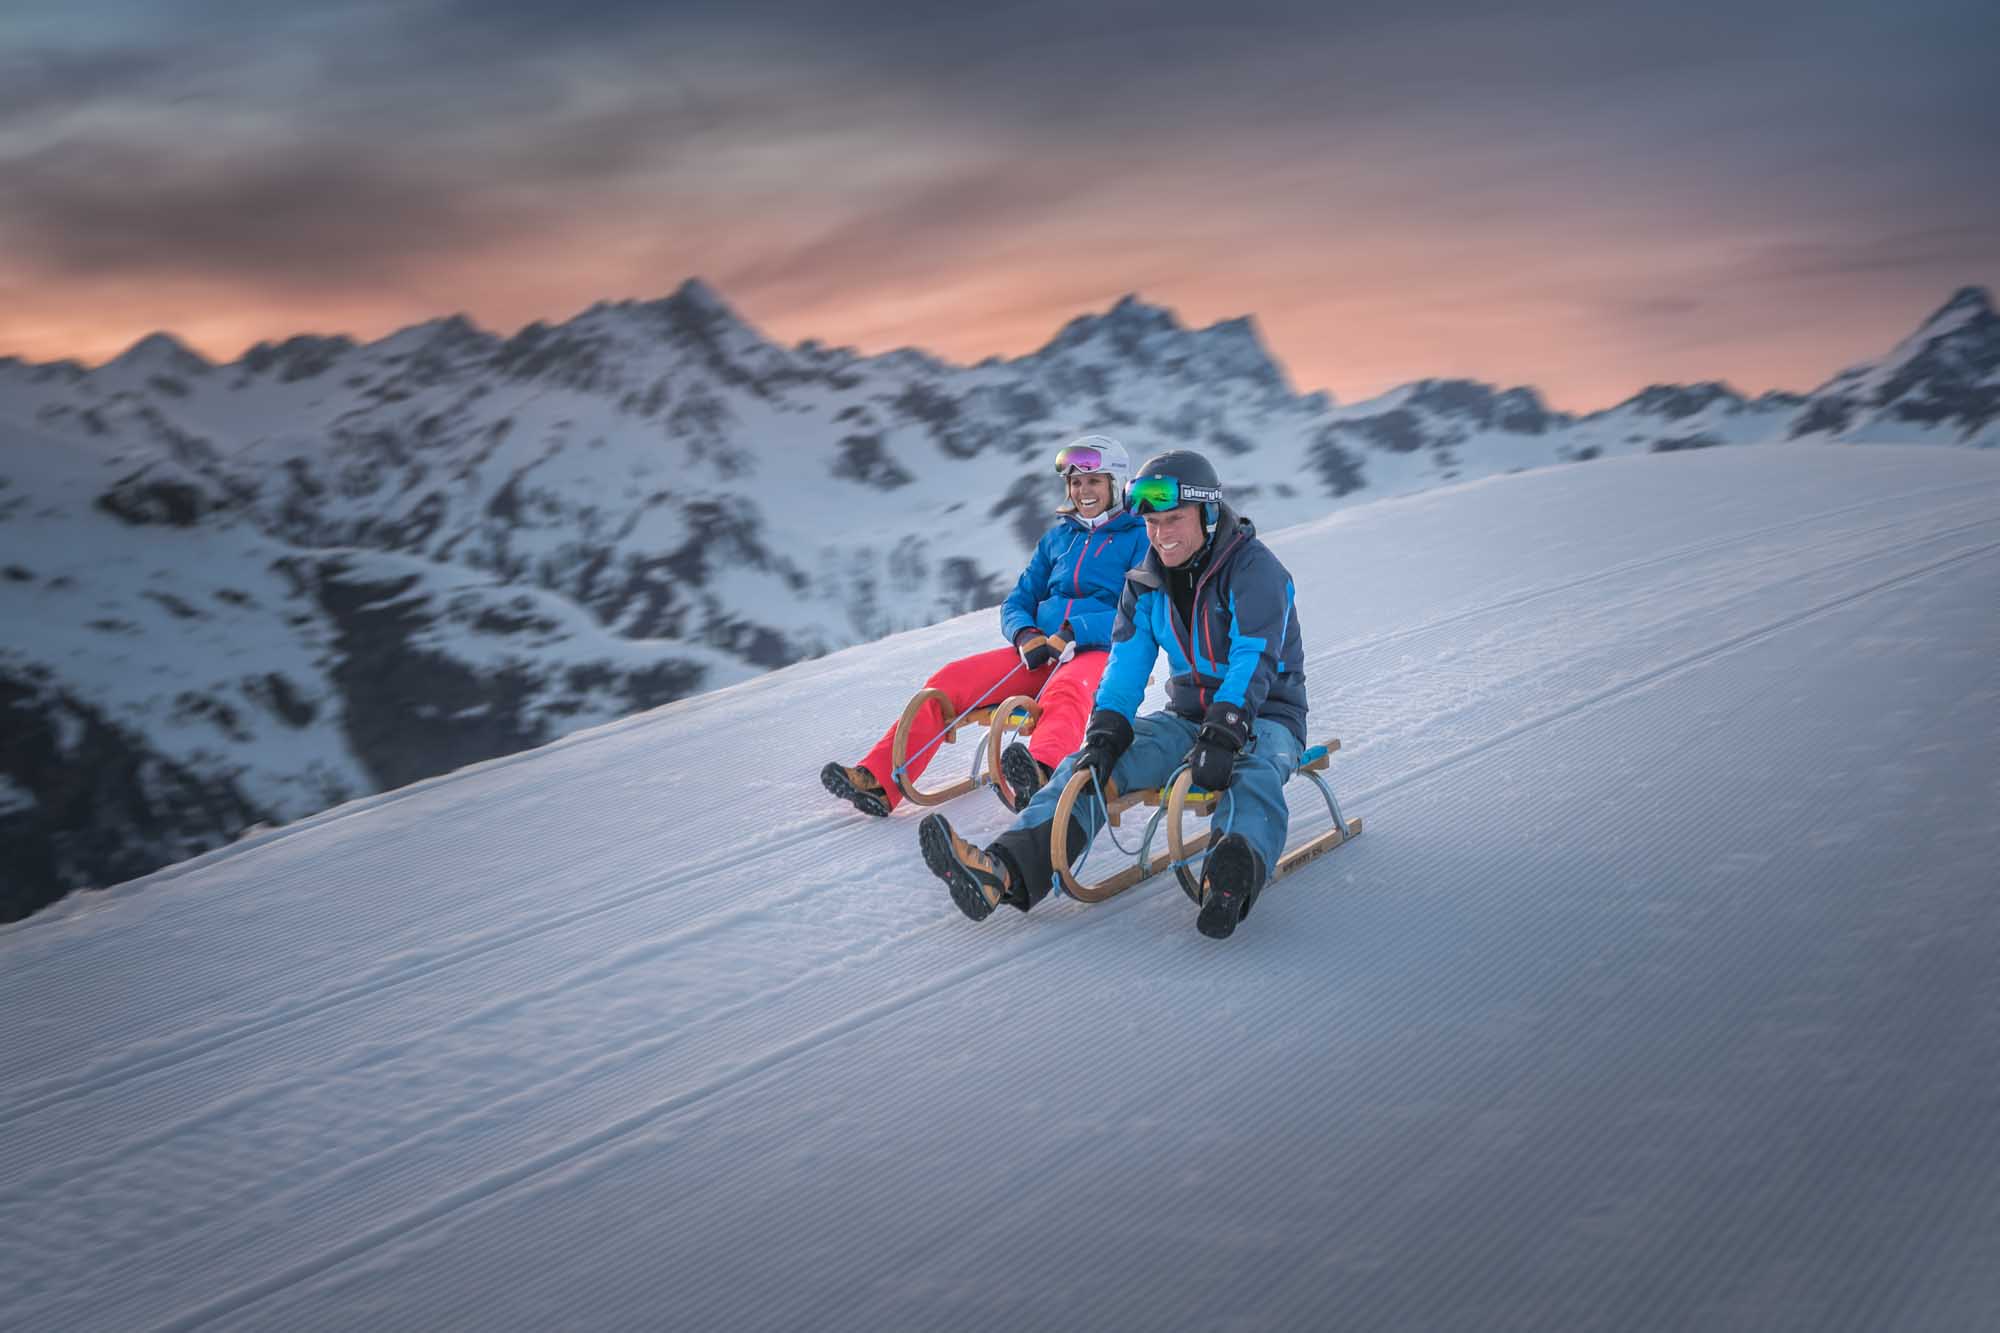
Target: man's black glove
(1213,758)
(1104,740)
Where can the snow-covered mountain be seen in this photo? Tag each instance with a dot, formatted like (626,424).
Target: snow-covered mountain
(240,593)
(1658,994)
(1945,376)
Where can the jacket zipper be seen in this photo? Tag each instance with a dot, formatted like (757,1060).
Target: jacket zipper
(1076,575)
(1075,579)
(1194,609)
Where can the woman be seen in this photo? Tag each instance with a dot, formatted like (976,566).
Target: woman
(1058,619)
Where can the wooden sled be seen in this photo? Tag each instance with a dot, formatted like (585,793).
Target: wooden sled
(1014,715)
(1179,796)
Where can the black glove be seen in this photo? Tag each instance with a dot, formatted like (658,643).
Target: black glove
(1213,758)
(1104,740)
(1036,651)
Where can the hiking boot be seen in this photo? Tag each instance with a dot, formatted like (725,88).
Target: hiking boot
(1024,773)
(978,880)
(857,785)
(1229,884)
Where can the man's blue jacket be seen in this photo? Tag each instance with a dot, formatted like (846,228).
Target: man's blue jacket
(1243,646)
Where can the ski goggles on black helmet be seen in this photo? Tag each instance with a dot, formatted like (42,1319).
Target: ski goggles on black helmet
(1080,458)
(1157,495)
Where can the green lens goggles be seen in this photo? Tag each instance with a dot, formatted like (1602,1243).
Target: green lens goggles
(1159,494)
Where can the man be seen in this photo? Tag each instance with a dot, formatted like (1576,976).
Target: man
(1215,599)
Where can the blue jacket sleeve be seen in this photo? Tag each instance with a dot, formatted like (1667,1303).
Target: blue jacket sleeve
(1018,611)
(1133,650)
(1260,611)
(1091,629)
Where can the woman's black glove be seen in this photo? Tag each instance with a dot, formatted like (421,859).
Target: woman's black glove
(1213,758)
(1106,738)
(1037,651)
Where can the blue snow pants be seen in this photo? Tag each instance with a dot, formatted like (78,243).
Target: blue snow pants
(1254,804)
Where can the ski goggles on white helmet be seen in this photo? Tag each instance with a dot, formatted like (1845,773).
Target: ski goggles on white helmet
(1081,458)
(1157,495)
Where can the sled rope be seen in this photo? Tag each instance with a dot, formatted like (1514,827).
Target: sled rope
(897,773)
(1055,876)
(1218,819)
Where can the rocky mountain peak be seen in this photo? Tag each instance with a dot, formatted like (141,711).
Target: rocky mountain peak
(694,294)
(696,312)
(1131,312)
(1676,401)
(1124,328)
(1234,347)
(299,357)
(1950,370)
(1481,405)
(160,354)
(1947,373)
(437,351)
(1152,338)
(1965,323)
(1975,302)
(451,330)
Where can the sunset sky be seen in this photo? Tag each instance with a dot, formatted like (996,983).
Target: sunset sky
(1587,197)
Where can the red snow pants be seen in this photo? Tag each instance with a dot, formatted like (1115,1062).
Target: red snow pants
(987,678)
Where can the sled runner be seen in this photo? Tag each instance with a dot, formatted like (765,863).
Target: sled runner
(1173,801)
(1014,715)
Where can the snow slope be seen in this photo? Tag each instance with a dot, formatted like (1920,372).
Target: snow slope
(1659,994)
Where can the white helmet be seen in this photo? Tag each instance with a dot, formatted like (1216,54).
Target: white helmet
(1097,454)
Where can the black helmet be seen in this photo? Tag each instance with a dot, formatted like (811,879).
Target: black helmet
(1173,479)
(1193,482)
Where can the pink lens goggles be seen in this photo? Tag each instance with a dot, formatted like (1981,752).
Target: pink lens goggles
(1079,458)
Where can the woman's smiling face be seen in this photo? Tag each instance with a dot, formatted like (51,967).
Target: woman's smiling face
(1090,493)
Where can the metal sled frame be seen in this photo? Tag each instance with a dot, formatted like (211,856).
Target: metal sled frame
(1178,797)
(1014,715)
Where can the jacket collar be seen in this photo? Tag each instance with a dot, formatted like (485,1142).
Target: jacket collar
(1122,521)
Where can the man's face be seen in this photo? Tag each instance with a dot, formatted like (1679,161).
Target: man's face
(1090,493)
(1176,534)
